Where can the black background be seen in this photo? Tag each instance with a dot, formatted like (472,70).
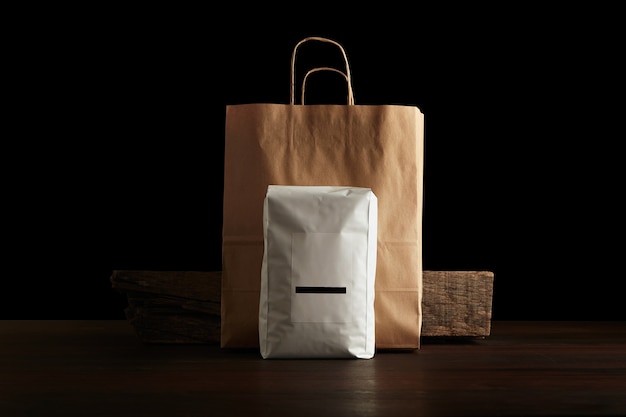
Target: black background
(114,140)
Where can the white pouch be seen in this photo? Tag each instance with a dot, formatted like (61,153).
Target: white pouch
(318,272)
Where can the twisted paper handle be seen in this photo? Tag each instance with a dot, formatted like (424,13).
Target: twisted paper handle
(345,74)
(311,71)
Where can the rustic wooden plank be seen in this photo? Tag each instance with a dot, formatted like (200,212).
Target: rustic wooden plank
(172,306)
(457,303)
(193,285)
(184,306)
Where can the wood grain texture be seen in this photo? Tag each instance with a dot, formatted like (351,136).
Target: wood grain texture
(172,306)
(457,303)
(99,368)
(184,306)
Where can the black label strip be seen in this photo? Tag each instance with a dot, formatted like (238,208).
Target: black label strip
(321,290)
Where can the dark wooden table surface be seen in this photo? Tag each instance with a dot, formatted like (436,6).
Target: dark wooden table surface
(100,368)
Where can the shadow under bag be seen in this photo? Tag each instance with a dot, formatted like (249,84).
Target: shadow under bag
(379,147)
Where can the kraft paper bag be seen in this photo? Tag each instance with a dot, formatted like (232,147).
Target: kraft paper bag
(318,272)
(372,146)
